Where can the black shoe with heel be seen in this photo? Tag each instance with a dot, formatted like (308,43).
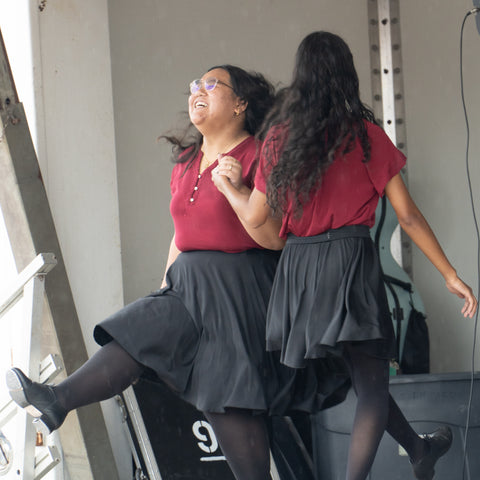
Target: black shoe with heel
(438,444)
(39,400)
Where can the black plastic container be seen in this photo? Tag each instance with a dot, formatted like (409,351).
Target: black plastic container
(427,400)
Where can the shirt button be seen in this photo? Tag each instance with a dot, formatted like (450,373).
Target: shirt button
(191,200)
(199,176)
(196,188)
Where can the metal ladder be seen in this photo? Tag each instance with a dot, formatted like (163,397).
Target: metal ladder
(24,452)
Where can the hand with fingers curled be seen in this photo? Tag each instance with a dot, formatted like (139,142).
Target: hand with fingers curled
(456,286)
(228,169)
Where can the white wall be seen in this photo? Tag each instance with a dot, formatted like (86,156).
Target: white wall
(436,137)
(158,47)
(79,160)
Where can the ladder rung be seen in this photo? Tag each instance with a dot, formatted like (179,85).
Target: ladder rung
(40,265)
(46,459)
(7,412)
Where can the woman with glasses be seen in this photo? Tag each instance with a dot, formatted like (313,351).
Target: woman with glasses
(203,333)
(323,166)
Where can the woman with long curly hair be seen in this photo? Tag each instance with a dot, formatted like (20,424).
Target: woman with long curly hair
(324,165)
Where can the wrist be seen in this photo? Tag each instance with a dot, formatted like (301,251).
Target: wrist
(450,275)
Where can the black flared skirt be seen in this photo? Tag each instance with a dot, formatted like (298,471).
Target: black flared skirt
(328,291)
(204,334)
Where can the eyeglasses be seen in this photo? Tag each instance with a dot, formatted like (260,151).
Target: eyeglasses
(209,84)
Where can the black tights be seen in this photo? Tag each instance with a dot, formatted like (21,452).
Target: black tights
(106,374)
(244,441)
(242,436)
(376,412)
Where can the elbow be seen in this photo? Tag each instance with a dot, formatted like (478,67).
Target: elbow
(278,245)
(273,244)
(253,221)
(411,220)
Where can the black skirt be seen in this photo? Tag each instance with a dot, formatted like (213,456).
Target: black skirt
(328,291)
(204,334)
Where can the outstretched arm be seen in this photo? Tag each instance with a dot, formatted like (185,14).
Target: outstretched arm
(414,224)
(250,205)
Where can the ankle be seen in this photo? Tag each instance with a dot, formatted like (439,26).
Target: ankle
(60,397)
(422,448)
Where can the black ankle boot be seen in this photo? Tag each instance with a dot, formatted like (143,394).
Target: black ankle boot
(37,399)
(438,444)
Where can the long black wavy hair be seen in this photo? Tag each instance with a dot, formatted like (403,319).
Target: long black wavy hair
(251,87)
(322,115)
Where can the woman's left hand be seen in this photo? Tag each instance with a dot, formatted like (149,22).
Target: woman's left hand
(464,291)
(230,168)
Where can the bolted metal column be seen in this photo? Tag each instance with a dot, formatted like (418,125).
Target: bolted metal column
(387,89)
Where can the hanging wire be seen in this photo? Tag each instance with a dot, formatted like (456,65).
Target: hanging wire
(467,165)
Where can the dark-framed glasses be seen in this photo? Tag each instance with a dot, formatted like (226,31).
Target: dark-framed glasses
(209,84)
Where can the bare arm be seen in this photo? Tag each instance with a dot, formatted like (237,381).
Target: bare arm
(414,224)
(266,235)
(250,205)
(173,253)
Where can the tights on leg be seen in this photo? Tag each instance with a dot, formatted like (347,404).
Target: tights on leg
(370,381)
(397,425)
(243,438)
(107,373)
(399,428)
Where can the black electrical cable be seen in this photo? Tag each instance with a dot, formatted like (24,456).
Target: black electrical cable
(467,163)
